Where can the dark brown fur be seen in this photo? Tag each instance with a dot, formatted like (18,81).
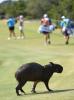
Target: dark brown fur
(35,72)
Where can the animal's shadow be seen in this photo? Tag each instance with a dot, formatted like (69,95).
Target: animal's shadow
(47,92)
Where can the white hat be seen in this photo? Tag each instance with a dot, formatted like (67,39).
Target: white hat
(63,17)
(45,15)
(21,16)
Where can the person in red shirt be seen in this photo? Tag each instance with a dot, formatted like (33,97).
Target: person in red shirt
(44,28)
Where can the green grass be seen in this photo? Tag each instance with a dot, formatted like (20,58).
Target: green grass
(14,53)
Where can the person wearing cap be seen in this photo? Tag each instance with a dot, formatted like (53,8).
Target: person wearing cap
(44,28)
(21,27)
(64,25)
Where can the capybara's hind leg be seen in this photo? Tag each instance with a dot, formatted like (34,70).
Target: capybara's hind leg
(46,84)
(22,90)
(21,85)
(17,89)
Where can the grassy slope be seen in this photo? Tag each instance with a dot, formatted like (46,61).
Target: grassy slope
(13,53)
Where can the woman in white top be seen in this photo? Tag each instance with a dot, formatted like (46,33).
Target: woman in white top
(21,26)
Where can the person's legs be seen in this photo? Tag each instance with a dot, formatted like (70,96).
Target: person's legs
(14,34)
(66,37)
(22,34)
(11,30)
(47,38)
(10,34)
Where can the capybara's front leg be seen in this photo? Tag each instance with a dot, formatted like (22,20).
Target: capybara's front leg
(34,86)
(46,84)
(17,90)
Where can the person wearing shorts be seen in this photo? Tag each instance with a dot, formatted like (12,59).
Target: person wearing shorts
(11,26)
(44,28)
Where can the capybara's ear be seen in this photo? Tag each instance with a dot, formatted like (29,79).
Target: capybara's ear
(51,63)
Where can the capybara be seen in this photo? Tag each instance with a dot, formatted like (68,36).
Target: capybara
(37,73)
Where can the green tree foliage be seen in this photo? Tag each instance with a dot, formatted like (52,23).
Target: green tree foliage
(36,8)
(66,7)
(13,8)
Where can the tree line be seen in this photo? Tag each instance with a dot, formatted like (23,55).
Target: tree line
(36,8)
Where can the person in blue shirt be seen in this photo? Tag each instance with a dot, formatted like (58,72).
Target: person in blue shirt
(11,26)
(65,27)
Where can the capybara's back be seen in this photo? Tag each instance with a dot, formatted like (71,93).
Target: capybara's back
(29,72)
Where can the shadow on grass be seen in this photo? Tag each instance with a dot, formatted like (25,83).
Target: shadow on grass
(62,44)
(47,92)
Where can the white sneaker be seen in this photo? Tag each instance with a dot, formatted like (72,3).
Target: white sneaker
(22,37)
(9,38)
(45,43)
(18,37)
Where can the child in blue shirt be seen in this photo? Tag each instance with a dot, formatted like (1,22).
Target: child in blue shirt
(11,26)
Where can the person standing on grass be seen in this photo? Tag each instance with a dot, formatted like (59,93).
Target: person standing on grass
(11,26)
(44,28)
(21,27)
(65,25)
